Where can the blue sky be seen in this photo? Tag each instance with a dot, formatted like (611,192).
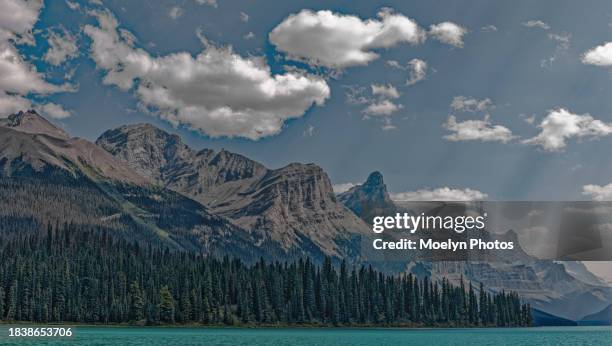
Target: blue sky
(531,87)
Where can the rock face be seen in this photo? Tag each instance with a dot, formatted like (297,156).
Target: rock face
(31,122)
(28,138)
(293,206)
(369,199)
(46,177)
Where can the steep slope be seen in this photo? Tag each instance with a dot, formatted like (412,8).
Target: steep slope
(293,206)
(48,177)
(369,199)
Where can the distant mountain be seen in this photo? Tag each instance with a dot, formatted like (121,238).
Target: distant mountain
(46,177)
(601,318)
(293,206)
(544,319)
(369,199)
(565,290)
(582,273)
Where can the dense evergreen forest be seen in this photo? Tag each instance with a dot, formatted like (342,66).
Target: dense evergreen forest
(67,274)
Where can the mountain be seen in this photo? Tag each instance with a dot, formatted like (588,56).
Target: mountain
(603,317)
(582,273)
(47,177)
(544,319)
(28,139)
(369,199)
(293,207)
(562,289)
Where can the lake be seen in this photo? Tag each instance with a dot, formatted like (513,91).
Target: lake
(297,336)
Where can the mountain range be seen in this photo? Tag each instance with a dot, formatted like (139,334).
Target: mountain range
(146,184)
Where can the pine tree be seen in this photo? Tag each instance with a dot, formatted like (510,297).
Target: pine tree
(166,305)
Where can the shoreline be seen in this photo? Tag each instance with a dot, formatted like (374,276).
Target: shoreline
(267,326)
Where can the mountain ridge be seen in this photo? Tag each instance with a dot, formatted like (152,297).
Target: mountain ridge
(284,205)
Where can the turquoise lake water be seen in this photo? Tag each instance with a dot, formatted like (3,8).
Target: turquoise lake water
(227,336)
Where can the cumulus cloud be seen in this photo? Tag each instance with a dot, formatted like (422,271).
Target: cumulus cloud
(536,24)
(62,46)
(440,194)
(560,125)
(175,12)
(340,188)
(599,56)
(385,91)
(382,108)
(53,110)
(212,3)
(481,130)
(598,192)
(449,33)
(418,71)
(335,40)
(218,92)
(10,104)
(18,78)
(244,17)
(471,105)
(416,67)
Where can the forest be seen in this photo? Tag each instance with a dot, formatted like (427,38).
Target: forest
(71,273)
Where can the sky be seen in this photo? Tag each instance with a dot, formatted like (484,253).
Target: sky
(448,100)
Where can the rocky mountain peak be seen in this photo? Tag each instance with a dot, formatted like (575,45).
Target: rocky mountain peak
(33,123)
(148,149)
(375,179)
(370,198)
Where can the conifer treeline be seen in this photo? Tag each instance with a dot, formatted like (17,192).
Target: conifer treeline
(69,275)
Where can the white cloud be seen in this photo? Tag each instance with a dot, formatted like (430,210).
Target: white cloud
(562,45)
(18,78)
(175,12)
(382,108)
(244,17)
(10,104)
(418,71)
(212,3)
(309,131)
(217,92)
(536,24)
(62,47)
(75,6)
(388,124)
(440,194)
(560,125)
(17,17)
(355,95)
(598,192)
(449,33)
(340,188)
(249,36)
(336,40)
(53,110)
(471,130)
(471,105)
(599,56)
(489,28)
(385,91)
